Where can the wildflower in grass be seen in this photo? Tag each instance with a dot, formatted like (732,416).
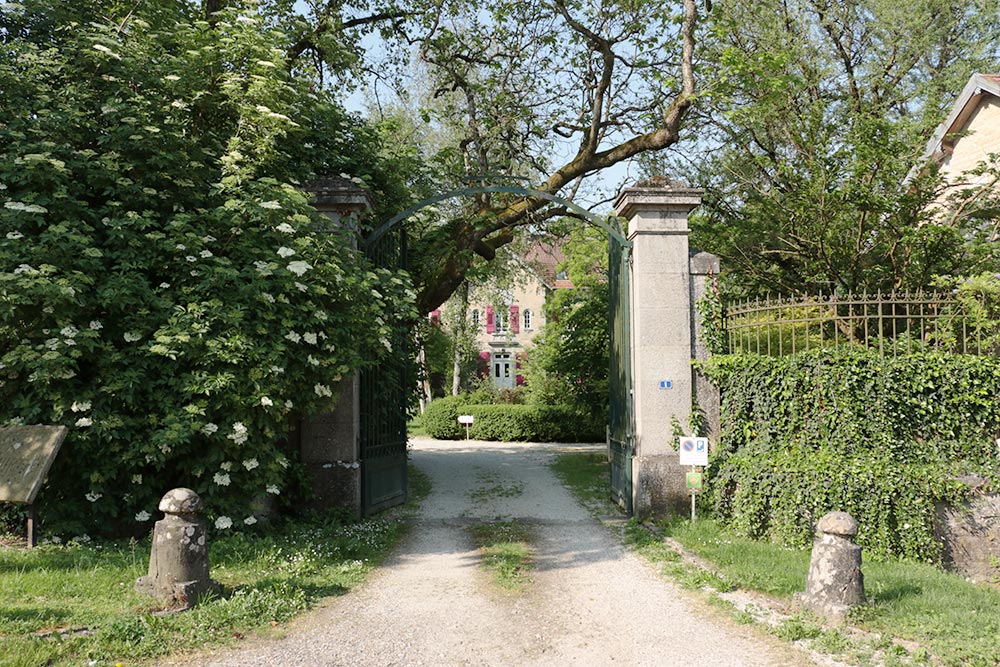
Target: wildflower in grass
(223,522)
(250,520)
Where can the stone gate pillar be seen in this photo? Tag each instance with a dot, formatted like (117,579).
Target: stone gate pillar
(329,442)
(662,336)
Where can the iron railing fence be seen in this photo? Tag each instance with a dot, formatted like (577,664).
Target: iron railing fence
(893,324)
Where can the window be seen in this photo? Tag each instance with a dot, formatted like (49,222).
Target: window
(527,320)
(503,321)
(475,318)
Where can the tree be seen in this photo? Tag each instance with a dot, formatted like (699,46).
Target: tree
(165,289)
(815,116)
(597,83)
(570,358)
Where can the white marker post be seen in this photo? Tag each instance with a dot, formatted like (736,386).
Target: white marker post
(693,452)
(467,420)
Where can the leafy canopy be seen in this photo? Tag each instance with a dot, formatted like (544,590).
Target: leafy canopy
(814,115)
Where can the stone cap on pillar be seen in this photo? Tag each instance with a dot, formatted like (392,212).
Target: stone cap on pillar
(657,194)
(703,263)
(339,195)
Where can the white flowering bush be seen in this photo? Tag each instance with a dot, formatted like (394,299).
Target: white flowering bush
(158,261)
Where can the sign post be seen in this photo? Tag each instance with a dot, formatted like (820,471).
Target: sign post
(693,452)
(26,453)
(467,420)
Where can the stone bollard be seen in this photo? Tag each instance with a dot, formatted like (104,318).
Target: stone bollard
(178,561)
(835,583)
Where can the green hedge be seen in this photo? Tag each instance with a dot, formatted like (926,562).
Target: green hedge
(881,438)
(511,422)
(441,418)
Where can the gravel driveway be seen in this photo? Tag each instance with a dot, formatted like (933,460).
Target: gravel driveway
(590,601)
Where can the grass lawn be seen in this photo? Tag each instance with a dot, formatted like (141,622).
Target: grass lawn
(953,622)
(76,604)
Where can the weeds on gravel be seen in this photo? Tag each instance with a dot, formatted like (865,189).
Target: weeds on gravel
(506,550)
(587,475)
(490,487)
(75,604)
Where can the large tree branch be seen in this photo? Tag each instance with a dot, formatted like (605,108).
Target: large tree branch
(328,24)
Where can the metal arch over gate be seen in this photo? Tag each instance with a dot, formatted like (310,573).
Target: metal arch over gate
(382,453)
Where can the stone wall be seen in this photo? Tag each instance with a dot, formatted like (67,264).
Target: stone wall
(970,535)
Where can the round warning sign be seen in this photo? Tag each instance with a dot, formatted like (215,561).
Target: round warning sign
(693,451)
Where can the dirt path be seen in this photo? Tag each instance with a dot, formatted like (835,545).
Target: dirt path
(590,602)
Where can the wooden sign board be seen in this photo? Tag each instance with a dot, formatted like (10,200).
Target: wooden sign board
(26,454)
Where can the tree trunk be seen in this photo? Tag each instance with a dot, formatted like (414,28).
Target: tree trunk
(461,328)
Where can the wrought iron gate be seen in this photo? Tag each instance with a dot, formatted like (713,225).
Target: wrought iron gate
(384,393)
(621,445)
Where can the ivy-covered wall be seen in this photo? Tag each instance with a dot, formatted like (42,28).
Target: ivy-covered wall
(881,438)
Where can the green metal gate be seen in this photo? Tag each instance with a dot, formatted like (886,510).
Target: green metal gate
(621,445)
(384,393)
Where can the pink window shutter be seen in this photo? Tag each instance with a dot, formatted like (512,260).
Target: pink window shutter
(490,324)
(515,324)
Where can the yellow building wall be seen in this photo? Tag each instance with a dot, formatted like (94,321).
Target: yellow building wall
(981,137)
